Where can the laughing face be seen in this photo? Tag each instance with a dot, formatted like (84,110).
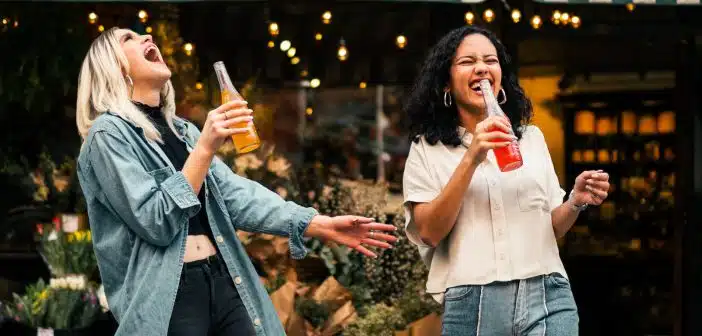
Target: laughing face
(475,59)
(146,66)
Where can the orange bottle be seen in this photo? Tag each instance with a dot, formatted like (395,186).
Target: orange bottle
(243,142)
(508,158)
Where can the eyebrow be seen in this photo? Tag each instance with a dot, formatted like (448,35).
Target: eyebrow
(124,36)
(473,56)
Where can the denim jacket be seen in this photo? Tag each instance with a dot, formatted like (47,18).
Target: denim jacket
(139,206)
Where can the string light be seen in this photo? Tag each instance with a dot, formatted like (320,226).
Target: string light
(271,44)
(488,15)
(536,22)
(343,52)
(143,16)
(285,45)
(295,60)
(291,52)
(304,73)
(326,17)
(362,85)
(318,36)
(470,17)
(101,28)
(15,24)
(575,21)
(516,15)
(401,41)
(188,48)
(309,111)
(198,86)
(149,30)
(5,21)
(92,18)
(314,83)
(630,7)
(273,29)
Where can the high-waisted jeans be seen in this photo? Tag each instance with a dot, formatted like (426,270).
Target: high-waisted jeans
(207,302)
(538,306)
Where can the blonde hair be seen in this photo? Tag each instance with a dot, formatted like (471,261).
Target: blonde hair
(102,87)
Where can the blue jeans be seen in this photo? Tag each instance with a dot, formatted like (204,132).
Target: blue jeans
(538,306)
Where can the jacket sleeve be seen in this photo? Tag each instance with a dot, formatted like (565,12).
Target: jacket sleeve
(254,208)
(155,205)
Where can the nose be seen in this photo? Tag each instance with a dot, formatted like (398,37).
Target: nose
(480,68)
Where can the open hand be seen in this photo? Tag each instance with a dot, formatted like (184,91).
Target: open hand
(356,231)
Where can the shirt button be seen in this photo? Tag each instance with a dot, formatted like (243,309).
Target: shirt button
(497,207)
(502,256)
(500,232)
(257,322)
(220,239)
(237,280)
(493,183)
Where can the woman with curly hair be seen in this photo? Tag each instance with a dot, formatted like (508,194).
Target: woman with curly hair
(487,236)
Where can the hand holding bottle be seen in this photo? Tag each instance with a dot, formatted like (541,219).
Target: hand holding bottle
(492,133)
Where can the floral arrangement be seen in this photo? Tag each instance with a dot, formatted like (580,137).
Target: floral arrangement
(69,303)
(66,253)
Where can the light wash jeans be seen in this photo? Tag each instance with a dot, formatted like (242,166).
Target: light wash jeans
(538,306)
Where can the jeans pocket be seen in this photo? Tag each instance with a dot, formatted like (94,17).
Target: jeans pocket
(457,293)
(556,280)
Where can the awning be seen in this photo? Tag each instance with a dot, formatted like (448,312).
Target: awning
(623,2)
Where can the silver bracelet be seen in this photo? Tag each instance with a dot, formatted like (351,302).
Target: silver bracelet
(573,206)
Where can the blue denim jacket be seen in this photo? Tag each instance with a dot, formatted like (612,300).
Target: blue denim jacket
(139,207)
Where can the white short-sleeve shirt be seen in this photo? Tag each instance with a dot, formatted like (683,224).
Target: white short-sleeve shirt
(503,231)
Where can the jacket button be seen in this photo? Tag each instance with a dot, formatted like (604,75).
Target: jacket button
(257,322)
(237,280)
(220,239)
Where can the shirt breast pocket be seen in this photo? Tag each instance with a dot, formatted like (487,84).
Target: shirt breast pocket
(161,174)
(531,192)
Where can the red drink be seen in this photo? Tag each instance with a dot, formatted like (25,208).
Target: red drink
(508,158)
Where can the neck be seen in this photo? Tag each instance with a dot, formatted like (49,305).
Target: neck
(147,95)
(470,116)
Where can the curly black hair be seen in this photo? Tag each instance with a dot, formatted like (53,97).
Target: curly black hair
(427,114)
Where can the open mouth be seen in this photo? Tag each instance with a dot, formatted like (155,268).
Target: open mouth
(151,54)
(475,85)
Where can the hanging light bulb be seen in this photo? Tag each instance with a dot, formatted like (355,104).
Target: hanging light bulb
(314,83)
(92,18)
(309,111)
(318,36)
(536,22)
(273,29)
(470,17)
(294,60)
(401,41)
(488,15)
(149,30)
(285,45)
(516,15)
(326,17)
(556,17)
(271,44)
(362,85)
(575,21)
(188,48)
(198,86)
(143,16)
(101,28)
(5,21)
(304,73)
(343,52)
(565,18)
(291,52)
(630,7)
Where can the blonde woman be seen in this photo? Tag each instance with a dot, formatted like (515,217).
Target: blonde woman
(164,210)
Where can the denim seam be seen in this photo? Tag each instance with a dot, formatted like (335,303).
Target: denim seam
(543,293)
(480,309)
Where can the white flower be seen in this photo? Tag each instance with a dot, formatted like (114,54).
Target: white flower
(52,235)
(102,298)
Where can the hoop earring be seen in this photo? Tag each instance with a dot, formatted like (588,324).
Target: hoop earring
(504,95)
(447,99)
(131,86)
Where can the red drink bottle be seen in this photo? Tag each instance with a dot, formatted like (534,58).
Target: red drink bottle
(508,158)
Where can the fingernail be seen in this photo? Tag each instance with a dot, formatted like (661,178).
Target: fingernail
(590,181)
